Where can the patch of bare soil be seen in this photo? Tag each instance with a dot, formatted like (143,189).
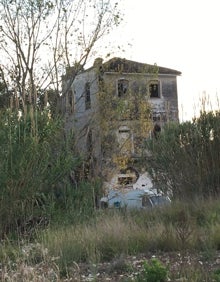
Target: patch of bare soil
(181,266)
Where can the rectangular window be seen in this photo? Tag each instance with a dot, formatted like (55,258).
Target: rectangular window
(125,180)
(71,101)
(87,96)
(122,87)
(154,89)
(89,144)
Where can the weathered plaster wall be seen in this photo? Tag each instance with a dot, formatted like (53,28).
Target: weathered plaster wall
(138,83)
(164,108)
(84,120)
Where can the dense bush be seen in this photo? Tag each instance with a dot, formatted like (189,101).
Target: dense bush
(185,159)
(35,163)
(154,271)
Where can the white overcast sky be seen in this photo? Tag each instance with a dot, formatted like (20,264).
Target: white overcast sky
(178,34)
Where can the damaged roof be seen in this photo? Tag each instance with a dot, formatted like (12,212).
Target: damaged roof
(128,66)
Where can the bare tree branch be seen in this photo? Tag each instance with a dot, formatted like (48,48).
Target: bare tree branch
(40,39)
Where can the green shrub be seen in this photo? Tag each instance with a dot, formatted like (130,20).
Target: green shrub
(35,163)
(187,157)
(154,271)
(216,275)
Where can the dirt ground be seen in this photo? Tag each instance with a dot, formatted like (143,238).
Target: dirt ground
(181,266)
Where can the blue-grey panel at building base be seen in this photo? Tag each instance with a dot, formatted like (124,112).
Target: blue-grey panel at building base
(134,199)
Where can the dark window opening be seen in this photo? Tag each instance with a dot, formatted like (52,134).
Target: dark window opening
(100,76)
(89,143)
(122,87)
(71,100)
(87,96)
(159,117)
(154,90)
(117,204)
(124,131)
(156,118)
(156,130)
(89,163)
(125,180)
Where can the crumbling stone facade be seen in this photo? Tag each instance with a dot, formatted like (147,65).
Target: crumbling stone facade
(113,106)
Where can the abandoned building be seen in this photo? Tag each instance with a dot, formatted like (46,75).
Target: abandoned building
(113,107)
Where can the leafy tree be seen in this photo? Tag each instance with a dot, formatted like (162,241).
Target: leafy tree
(38,41)
(185,158)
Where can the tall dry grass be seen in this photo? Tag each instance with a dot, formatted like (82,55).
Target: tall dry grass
(179,227)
